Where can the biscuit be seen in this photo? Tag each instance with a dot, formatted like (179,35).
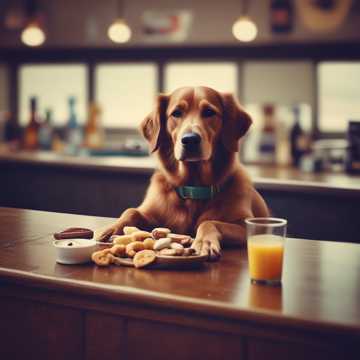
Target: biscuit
(144,258)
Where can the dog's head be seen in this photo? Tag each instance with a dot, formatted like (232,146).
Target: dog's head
(193,121)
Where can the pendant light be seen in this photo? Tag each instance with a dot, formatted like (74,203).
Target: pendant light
(33,34)
(244,29)
(119,31)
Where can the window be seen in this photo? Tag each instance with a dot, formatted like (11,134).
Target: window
(53,85)
(338,94)
(278,82)
(125,92)
(222,76)
(282,84)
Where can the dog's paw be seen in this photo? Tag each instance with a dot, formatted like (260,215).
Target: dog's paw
(112,230)
(207,246)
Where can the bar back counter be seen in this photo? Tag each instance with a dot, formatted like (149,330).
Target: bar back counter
(318,207)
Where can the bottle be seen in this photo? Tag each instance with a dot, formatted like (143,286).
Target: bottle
(283,156)
(267,139)
(58,144)
(46,132)
(352,158)
(296,138)
(31,134)
(3,119)
(74,134)
(94,136)
(12,132)
(281,16)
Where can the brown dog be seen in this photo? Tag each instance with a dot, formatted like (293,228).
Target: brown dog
(200,187)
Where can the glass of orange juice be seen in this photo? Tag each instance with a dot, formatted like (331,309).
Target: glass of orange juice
(265,241)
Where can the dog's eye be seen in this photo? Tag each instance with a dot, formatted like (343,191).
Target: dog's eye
(208,112)
(176,113)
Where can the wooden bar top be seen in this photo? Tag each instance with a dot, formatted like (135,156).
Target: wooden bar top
(265,177)
(320,290)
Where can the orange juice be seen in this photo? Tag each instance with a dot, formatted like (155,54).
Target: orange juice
(265,254)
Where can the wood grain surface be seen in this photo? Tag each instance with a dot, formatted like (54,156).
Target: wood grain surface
(29,328)
(320,290)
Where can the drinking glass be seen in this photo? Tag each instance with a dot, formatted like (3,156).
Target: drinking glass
(266,241)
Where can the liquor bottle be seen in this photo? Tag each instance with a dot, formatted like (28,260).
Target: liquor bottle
(46,132)
(296,138)
(352,158)
(94,136)
(3,120)
(267,138)
(74,134)
(12,132)
(283,152)
(58,144)
(31,134)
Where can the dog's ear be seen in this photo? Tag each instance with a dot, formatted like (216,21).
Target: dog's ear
(154,124)
(236,122)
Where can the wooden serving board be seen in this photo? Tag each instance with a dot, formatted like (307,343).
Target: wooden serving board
(168,262)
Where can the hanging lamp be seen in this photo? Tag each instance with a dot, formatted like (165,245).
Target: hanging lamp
(33,34)
(119,31)
(244,28)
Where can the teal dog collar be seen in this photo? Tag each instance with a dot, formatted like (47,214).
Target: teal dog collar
(197,192)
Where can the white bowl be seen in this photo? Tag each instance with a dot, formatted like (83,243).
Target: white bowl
(74,251)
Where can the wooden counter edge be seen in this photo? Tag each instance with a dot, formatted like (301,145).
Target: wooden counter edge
(171,302)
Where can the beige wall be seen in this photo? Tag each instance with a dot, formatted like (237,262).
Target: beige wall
(85,22)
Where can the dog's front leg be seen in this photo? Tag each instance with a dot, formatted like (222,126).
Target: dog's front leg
(130,217)
(211,233)
(207,240)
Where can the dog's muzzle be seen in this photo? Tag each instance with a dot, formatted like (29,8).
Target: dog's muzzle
(191,149)
(191,141)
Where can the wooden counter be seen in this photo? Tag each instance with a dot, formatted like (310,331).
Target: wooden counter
(53,311)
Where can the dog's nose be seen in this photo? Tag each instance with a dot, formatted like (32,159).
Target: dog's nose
(190,139)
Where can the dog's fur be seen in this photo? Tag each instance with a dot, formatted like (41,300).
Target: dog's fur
(221,122)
